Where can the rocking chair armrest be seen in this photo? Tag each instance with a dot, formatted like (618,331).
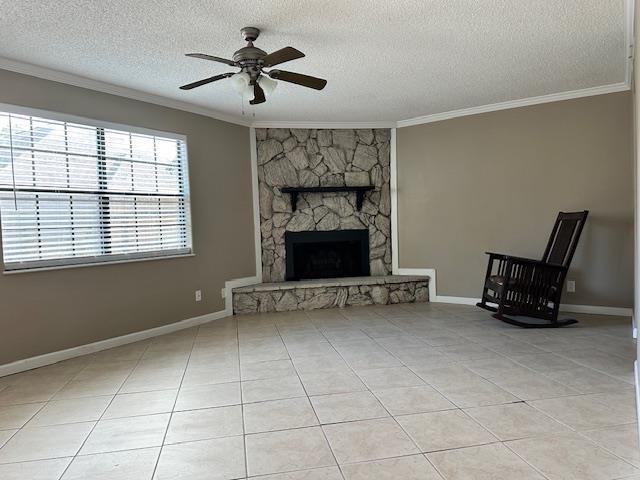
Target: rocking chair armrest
(496,256)
(502,256)
(536,263)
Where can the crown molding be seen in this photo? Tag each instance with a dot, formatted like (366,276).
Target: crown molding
(523,102)
(84,82)
(320,125)
(437,117)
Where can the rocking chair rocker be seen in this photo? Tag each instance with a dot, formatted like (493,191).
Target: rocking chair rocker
(532,288)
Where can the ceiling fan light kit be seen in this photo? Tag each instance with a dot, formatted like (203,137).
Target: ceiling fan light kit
(240,82)
(252,77)
(267,84)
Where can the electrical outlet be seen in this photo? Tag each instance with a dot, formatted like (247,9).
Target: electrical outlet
(223,292)
(198,295)
(571,286)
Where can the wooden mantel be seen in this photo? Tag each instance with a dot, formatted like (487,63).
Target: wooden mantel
(294,191)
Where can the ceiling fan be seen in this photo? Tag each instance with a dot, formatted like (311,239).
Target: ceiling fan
(252,78)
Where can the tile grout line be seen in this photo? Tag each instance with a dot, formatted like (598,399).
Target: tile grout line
(424,454)
(509,358)
(324,435)
(547,352)
(244,427)
(469,416)
(525,461)
(575,431)
(101,415)
(459,408)
(581,433)
(526,402)
(175,401)
(371,392)
(44,404)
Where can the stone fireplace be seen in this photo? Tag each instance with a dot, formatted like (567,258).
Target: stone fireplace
(325,225)
(312,158)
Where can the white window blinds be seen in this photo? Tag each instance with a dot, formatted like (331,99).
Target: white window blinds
(76,194)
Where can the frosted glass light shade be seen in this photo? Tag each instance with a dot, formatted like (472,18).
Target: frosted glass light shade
(267,84)
(240,82)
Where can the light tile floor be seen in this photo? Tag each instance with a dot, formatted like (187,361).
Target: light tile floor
(416,392)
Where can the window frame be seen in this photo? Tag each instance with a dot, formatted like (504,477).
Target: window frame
(109,259)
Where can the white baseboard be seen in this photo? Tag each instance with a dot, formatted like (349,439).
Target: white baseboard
(434,297)
(433,290)
(596,309)
(456,300)
(54,357)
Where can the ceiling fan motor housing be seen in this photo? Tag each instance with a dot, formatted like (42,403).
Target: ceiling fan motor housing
(249,54)
(249,57)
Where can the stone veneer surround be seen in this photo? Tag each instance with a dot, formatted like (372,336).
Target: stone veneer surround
(313,157)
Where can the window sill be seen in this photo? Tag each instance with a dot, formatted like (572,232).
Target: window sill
(95,264)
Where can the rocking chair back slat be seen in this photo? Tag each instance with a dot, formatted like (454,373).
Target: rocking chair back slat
(564,238)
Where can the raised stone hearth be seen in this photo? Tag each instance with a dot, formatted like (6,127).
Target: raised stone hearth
(329,293)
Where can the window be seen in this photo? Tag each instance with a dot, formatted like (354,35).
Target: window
(77,194)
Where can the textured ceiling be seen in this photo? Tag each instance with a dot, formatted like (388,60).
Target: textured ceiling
(385,60)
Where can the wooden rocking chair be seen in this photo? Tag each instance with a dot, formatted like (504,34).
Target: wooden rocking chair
(532,288)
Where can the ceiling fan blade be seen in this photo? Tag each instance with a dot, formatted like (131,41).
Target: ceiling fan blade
(280,56)
(258,95)
(204,81)
(298,79)
(204,56)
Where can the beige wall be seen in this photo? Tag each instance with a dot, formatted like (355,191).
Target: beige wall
(496,181)
(42,312)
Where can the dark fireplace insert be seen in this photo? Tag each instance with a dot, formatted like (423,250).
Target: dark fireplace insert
(337,253)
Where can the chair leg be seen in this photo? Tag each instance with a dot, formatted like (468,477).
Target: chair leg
(483,301)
